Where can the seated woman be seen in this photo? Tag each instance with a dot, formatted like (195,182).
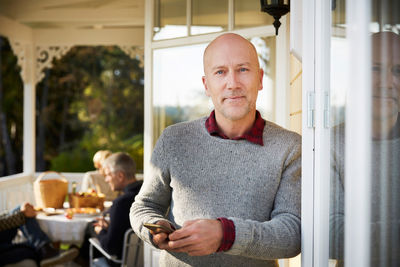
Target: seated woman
(37,248)
(95,179)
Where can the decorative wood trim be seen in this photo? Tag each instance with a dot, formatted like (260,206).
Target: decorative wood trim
(45,55)
(134,52)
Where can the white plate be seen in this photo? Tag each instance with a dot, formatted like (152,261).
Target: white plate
(52,211)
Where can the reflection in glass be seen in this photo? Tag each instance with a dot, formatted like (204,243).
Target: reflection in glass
(169,19)
(385,195)
(385,132)
(339,80)
(248,14)
(178,92)
(385,167)
(209,16)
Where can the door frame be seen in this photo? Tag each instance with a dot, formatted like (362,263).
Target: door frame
(315,133)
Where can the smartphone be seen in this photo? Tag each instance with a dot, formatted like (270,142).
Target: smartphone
(157,228)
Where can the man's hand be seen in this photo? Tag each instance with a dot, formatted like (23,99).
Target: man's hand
(197,238)
(100,224)
(161,239)
(28,210)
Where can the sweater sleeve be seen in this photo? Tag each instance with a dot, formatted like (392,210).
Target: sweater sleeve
(10,221)
(279,237)
(336,208)
(152,202)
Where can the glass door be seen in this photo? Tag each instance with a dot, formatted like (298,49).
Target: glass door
(364,143)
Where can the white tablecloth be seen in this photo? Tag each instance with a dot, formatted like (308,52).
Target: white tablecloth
(59,228)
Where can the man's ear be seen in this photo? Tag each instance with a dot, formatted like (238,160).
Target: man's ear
(204,79)
(261,73)
(120,176)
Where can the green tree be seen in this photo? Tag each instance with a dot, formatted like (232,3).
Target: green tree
(11,111)
(90,99)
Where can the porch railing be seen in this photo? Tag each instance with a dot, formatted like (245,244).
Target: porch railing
(15,189)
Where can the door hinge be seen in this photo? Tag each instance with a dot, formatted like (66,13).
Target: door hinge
(327,107)
(310,109)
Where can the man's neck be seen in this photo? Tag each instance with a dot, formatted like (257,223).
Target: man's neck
(235,128)
(128,182)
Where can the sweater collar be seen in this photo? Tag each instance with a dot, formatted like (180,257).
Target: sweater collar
(254,135)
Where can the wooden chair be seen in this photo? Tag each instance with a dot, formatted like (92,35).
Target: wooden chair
(132,252)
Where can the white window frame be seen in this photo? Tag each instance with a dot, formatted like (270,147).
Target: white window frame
(358,136)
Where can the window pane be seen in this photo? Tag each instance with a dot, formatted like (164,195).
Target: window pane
(209,16)
(169,19)
(385,115)
(91,99)
(385,194)
(338,88)
(249,14)
(178,92)
(265,47)
(11,111)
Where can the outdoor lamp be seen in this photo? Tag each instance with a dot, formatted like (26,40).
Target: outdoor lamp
(276,8)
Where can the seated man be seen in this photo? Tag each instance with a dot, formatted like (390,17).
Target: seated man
(119,171)
(38,246)
(95,179)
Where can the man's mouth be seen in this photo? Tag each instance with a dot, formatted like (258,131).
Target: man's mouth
(234,98)
(385,93)
(384,97)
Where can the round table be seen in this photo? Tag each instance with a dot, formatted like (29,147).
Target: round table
(61,229)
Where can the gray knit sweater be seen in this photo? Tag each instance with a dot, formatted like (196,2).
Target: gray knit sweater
(195,175)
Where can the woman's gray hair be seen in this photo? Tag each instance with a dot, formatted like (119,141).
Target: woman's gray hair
(122,162)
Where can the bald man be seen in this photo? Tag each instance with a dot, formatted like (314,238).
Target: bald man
(229,184)
(385,158)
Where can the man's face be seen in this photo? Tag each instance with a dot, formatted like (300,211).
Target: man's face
(112,178)
(232,77)
(385,76)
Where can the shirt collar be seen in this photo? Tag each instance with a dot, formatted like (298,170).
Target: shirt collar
(254,135)
(132,186)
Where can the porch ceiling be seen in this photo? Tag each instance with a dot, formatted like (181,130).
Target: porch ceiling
(79,21)
(76,14)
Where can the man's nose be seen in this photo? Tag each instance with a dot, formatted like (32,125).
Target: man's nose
(232,80)
(386,78)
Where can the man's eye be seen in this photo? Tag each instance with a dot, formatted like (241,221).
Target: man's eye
(396,71)
(376,68)
(243,69)
(219,72)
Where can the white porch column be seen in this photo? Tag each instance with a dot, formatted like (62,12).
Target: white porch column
(29,109)
(282,74)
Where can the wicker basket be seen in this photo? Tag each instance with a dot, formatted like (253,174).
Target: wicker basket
(87,201)
(50,193)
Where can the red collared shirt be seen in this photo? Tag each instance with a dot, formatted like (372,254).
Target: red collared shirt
(254,135)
